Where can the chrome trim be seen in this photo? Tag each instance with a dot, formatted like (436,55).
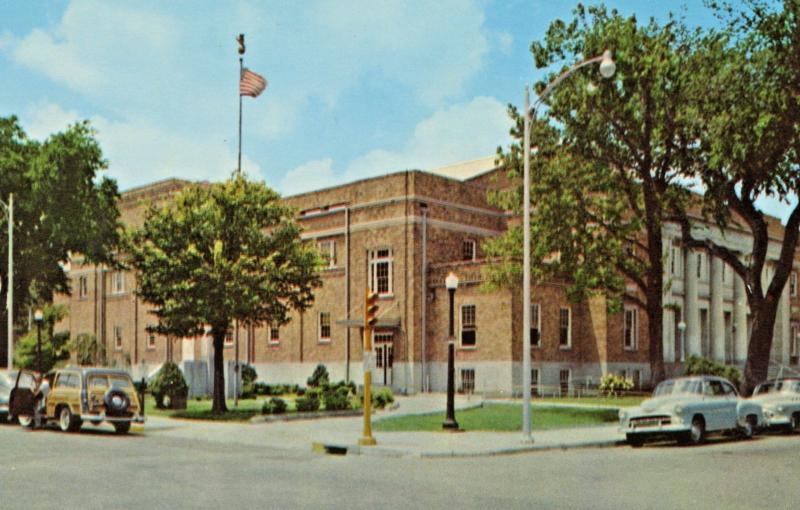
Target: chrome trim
(103,417)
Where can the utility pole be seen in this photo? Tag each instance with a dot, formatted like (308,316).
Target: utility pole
(370,318)
(9,208)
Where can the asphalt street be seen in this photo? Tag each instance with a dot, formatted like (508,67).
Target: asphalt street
(96,469)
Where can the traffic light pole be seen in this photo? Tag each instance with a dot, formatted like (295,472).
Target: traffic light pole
(370,310)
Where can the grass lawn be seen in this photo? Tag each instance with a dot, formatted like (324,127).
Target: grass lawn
(595,401)
(201,410)
(501,418)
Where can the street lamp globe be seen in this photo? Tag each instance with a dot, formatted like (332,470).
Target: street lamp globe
(681,326)
(38,316)
(451,282)
(607,65)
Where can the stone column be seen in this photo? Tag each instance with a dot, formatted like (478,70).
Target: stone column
(667,325)
(740,338)
(717,315)
(783,328)
(692,311)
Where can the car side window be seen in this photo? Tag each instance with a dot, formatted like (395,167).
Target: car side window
(716,388)
(730,391)
(707,389)
(26,381)
(98,382)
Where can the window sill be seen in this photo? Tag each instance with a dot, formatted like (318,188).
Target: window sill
(386,296)
(467,347)
(324,341)
(630,349)
(564,347)
(150,349)
(227,346)
(274,344)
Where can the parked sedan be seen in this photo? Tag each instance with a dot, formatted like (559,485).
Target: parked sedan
(780,400)
(7,379)
(689,408)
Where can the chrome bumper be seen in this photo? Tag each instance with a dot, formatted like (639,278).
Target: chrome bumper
(102,417)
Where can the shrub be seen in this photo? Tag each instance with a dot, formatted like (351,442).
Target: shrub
(612,384)
(168,382)
(697,365)
(309,402)
(382,398)
(274,405)
(249,375)
(319,377)
(300,391)
(337,399)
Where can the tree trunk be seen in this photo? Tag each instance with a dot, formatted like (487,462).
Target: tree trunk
(655,319)
(218,335)
(757,366)
(3,326)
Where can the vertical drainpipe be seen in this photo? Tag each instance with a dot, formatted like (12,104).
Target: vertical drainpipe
(96,304)
(103,313)
(424,293)
(409,351)
(347,288)
(135,329)
(302,314)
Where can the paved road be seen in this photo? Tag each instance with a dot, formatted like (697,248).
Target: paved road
(95,469)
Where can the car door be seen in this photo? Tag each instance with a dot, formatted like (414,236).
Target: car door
(22,396)
(729,411)
(714,404)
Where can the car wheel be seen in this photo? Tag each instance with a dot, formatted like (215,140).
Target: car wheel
(697,434)
(122,427)
(67,421)
(25,421)
(795,424)
(747,430)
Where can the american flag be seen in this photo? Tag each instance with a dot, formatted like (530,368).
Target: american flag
(251,84)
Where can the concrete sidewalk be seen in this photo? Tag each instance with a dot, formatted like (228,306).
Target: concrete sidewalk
(340,435)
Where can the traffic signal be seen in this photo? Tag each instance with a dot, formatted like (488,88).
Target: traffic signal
(371,309)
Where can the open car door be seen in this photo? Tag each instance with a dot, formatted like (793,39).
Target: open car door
(22,398)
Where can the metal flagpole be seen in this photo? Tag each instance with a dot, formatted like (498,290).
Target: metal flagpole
(241,71)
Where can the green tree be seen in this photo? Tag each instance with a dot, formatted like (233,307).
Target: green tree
(88,350)
(605,175)
(54,345)
(750,145)
(220,253)
(61,207)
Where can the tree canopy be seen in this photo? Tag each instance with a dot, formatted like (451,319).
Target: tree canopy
(222,253)
(62,206)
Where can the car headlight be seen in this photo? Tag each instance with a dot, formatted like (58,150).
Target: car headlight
(678,409)
(779,409)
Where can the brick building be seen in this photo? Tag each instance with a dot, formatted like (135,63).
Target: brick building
(400,234)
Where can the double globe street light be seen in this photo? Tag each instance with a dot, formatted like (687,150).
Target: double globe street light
(607,69)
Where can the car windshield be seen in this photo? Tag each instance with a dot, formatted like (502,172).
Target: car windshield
(678,386)
(778,387)
(5,381)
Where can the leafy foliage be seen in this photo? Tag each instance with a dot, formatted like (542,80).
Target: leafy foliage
(61,208)
(697,365)
(319,377)
(613,385)
(88,350)
(274,405)
(55,346)
(168,382)
(219,253)
(309,402)
(249,377)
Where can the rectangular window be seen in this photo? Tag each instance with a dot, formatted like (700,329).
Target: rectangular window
(83,287)
(705,344)
(380,271)
(793,284)
(468,329)
(535,382)
(564,380)
(273,335)
(469,249)
(631,329)
(536,325)
(327,250)
(793,340)
(229,339)
(117,282)
(637,379)
(118,338)
(565,328)
(467,380)
(324,327)
(151,341)
(677,261)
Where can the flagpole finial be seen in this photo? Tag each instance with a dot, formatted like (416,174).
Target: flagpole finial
(240,40)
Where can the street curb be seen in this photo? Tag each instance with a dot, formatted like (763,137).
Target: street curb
(270,418)
(340,449)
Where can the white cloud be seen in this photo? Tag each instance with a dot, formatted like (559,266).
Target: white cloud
(140,152)
(459,133)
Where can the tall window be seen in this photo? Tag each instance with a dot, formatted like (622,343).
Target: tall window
(535,382)
(274,335)
(327,250)
(467,380)
(468,330)
(793,284)
(118,338)
(564,380)
(117,282)
(564,328)
(469,249)
(380,271)
(793,340)
(228,338)
(631,329)
(677,261)
(536,325)
(151,340)
(83,287)
(702,270)
(324,327)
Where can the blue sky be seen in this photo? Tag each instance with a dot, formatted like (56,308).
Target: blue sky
(356,88)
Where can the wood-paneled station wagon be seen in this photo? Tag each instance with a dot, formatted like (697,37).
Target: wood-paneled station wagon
(71,396)
(689,408)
